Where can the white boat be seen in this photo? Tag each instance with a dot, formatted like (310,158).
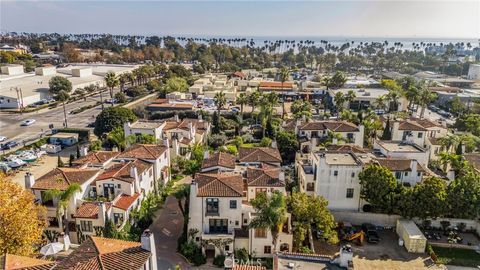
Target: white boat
(14,162)
(4,167)
(28,156)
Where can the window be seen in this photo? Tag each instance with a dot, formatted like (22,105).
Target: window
(150,172)
(353,174)
(350,137)
(419,174)
(420,134)
(118,218)
(398,175)
(260,233)
(212,206)
(218,225)
(86,226)
(227,248)
(350,192)
(233,204)
(237,223)
(335,173)
(260,190)
(267,249)
(310,186)
(119,186)
(245,221)
(406,173)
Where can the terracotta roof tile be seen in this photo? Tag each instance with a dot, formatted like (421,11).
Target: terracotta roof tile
(395,164)
(259,154)
(219,185)
(144,151)
(409,125)
(335,126)
(264,177)
(277,85)
(125,201)
(435,141)
(219,159)
(185,140)
(106,254)
(97,158)
(61,178)
(121,171)
(89,210)
(14,262)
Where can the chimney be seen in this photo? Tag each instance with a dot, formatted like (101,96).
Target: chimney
(133,171)
(29,180)
(102,212)
(166,143)
(206,154)
(175,146)
(274,144)
(200,117)
(148,243)
(304,118)
(114,149)
(176,118)
(65,240)
(281,176)
(83,150)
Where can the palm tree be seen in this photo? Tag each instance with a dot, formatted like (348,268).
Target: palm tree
(220,100)
(112,81)
(393,96)
(117,136)
(284,76)
(270,213)
(339,99)
(381,102)
(254,99)
(63,198)
(242,100)
(63,96)
(350,97)
(425,97)
(450,142)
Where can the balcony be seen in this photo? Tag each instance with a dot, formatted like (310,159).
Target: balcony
(212,214)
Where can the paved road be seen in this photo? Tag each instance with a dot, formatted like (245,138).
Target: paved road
(10,123)
(167,228)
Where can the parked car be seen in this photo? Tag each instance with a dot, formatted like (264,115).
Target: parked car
(111,101)
(28,122)
(9,145)
(3,138)
(370,233)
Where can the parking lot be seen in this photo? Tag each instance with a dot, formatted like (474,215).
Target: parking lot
(386,255)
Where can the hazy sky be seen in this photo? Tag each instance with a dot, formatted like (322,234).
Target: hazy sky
(447,19)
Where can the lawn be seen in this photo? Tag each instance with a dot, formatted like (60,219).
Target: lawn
(456,256)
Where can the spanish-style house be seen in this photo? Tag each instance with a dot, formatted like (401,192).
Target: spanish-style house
(220,211)
(95,253)
(218,162)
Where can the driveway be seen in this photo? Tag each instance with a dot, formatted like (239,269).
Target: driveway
(167,228)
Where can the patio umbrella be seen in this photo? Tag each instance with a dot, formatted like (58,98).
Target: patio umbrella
(51,249)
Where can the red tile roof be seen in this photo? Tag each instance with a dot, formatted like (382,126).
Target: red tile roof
(219,159)
(395,164)
(259,154)
(335,126)
(62,178)
(144,151)
(121,171)
(97,158)
(219,185)
(410,125)
(97,253)
(125,201)
(16,262)
(277,85)
(89,210)
(264,177)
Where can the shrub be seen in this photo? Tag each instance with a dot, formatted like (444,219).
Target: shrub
(193,253)
(219,260)
(247,138)
(265,142)
(241,255)
(121,97)
(136,91)
(217,140)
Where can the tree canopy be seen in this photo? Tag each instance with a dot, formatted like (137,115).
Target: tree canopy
(58,84)
(22,221)
(111,118)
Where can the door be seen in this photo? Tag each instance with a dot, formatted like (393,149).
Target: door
(108,190)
